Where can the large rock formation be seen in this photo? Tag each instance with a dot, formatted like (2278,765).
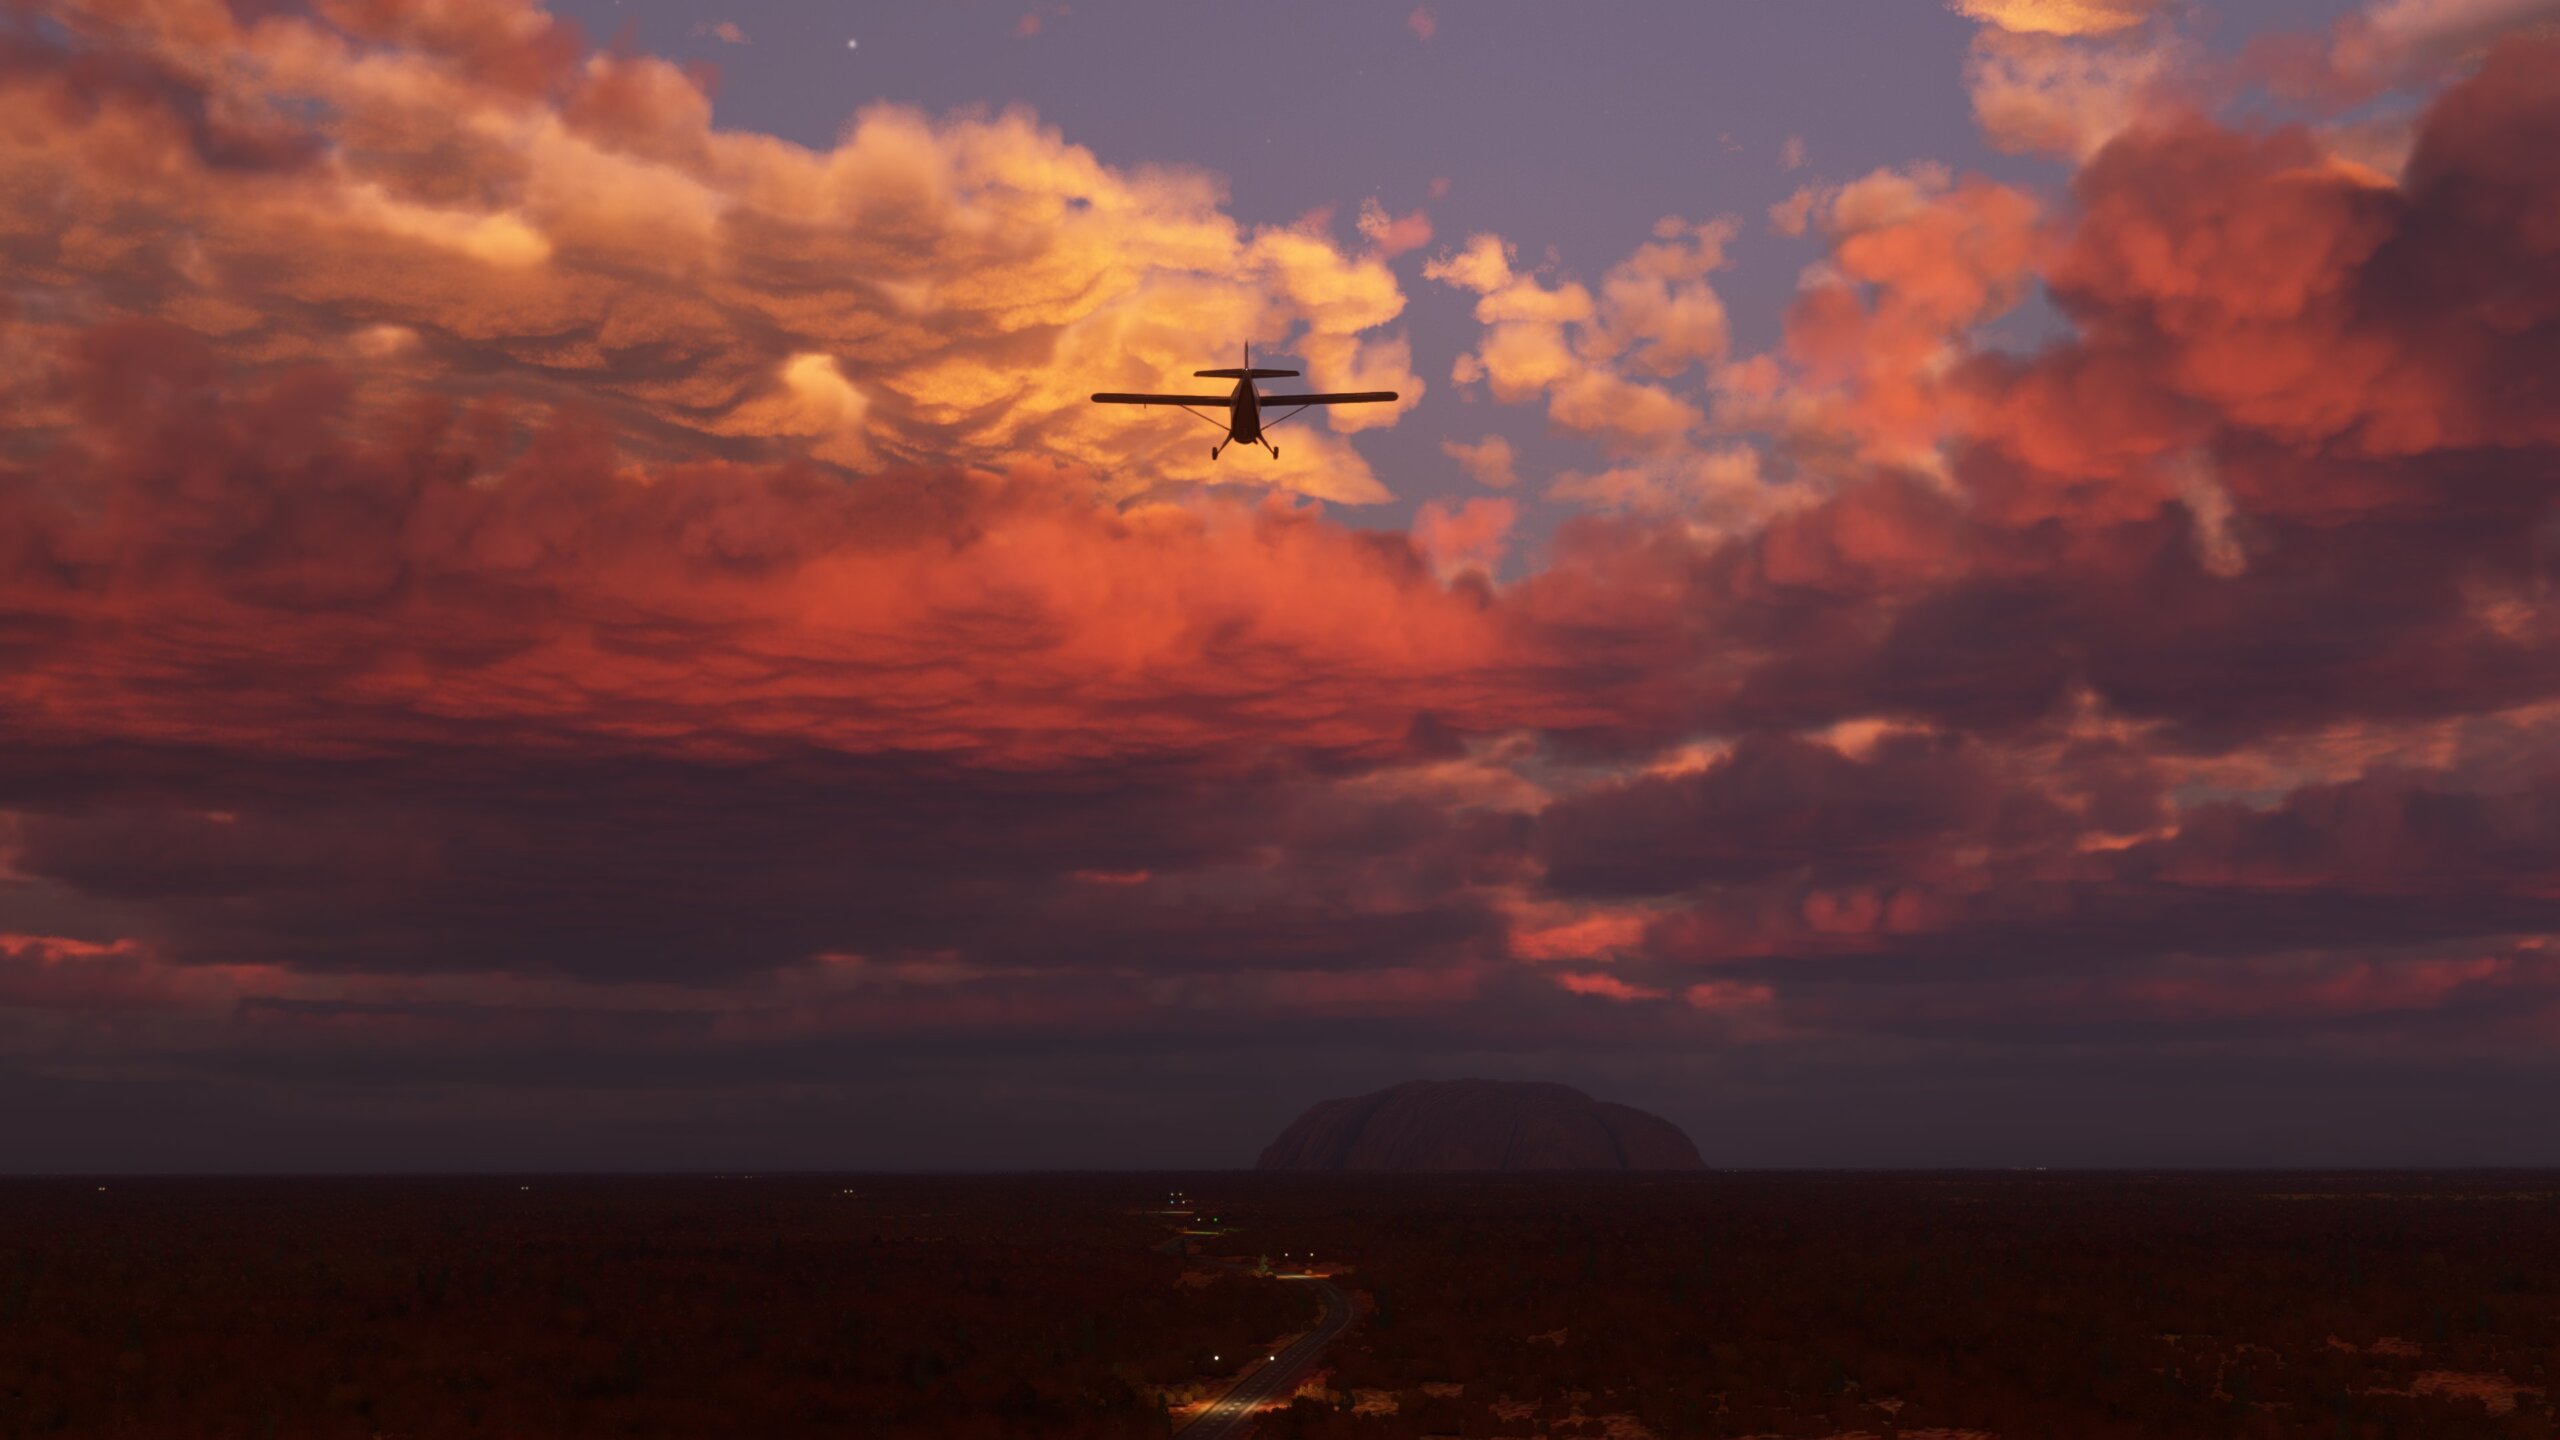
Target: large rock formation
(1479,1125)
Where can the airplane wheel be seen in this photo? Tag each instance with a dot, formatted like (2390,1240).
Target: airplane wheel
(1275,452)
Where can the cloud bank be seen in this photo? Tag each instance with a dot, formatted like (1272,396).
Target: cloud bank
(502,583)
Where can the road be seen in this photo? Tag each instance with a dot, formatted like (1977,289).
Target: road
(1233,1415)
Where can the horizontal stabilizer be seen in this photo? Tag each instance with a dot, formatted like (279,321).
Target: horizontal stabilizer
(1114,397)
(1354,397)
(1246,374)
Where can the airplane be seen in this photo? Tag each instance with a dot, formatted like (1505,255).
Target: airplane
(1244,404)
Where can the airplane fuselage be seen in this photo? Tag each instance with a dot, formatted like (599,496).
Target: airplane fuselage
(1244,415)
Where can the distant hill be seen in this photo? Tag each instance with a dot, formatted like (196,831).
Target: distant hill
(1479,1125)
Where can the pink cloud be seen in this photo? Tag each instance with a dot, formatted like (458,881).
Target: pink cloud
(1470,536)
(1727,995)
(1583,937)
(2036,93)
(2387,44)
(60,973)
(1035,20)
(1390,235)
(1490,461)
(1114,877)
(1606,987)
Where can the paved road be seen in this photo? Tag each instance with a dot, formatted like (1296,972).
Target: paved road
(1233,1416)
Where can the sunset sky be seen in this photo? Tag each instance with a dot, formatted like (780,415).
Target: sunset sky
(1952,584)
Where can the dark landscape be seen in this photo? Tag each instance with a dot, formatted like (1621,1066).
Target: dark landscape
(1912,1305)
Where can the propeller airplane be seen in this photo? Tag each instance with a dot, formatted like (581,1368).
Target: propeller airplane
(1245,405)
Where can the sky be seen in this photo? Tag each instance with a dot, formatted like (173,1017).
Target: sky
(1954,584)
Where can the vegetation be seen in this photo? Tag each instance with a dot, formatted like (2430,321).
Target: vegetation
(643,1307)
(2087,1307)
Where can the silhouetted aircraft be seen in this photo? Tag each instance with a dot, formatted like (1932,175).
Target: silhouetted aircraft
(1244,406)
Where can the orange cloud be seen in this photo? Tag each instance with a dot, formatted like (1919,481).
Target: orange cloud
(1654,315)
(2061,17)
(850,595)
(1917,261)
(969,282)
(1422,22)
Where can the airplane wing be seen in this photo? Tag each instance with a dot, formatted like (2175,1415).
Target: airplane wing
(1115,397)
(1350,397)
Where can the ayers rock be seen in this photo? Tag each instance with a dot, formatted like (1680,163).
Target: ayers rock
(1479,1125)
